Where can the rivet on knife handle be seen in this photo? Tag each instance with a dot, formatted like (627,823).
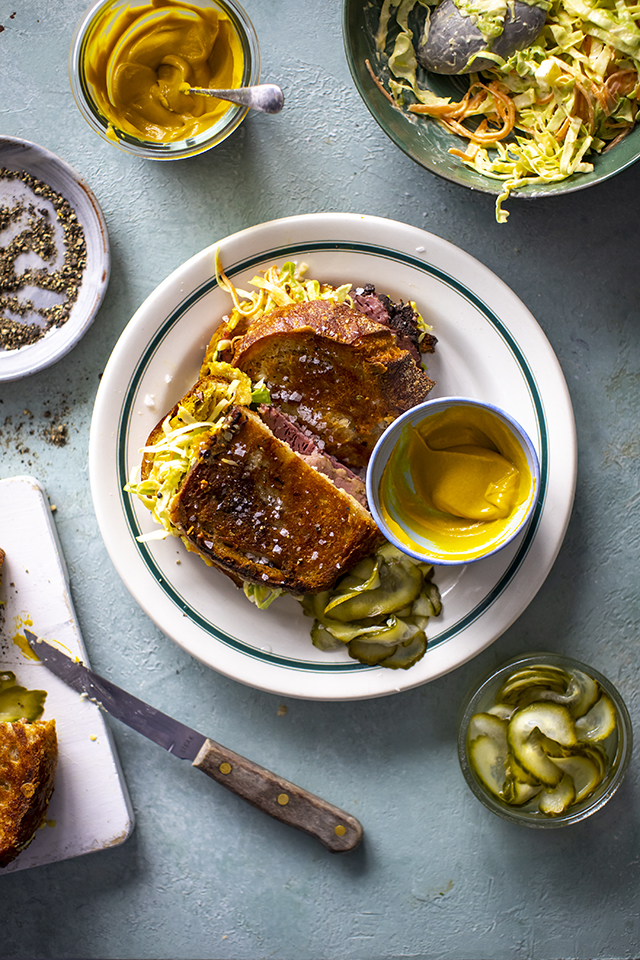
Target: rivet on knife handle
(284,801)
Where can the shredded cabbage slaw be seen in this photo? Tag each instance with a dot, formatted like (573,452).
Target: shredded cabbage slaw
(542,111)
(278,287)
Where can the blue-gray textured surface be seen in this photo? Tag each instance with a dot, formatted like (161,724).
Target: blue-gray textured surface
(204,875)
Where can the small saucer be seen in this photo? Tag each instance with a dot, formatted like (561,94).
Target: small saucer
(28,160)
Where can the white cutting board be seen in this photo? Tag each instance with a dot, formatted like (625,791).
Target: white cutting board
(90,808)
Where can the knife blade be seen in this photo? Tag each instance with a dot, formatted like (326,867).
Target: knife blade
(337,830)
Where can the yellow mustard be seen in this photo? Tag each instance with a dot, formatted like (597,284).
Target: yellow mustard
(139,61)
(458,480)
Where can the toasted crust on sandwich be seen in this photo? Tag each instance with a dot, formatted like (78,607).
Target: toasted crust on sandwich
(28,761)
(260,513)
(339,373)
(199,402)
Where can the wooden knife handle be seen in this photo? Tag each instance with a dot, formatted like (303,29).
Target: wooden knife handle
(284,801)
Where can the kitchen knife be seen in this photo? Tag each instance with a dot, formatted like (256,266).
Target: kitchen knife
(284,801)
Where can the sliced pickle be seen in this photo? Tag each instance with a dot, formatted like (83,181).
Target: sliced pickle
(556,801)
(433,594)
(517,772)
(581,694)
(530,755)
(551,719)
(324,640)
(526,729)
(520,683)
(487,758)
(552,748)
(599,723)
(597,755)
(399,586)
(406,654)
(486,724)
(517,793)
(504,710)
(585,774)
(379,632)
(369,653)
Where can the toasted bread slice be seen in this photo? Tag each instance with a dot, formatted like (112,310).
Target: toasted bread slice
(260,513)
(339,373)
(28,761)
(210,396)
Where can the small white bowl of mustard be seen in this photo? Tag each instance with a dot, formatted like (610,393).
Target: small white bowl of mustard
(453,480)
(132,61)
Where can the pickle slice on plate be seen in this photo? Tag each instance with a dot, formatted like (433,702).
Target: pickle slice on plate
(406,654)
(398,586)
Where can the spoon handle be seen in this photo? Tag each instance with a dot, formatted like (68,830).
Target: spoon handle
(266,97)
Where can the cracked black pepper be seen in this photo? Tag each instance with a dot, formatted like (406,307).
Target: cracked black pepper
(21,321)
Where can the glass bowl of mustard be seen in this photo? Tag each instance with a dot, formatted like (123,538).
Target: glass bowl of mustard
(453,480)
(131,64)
(544,741)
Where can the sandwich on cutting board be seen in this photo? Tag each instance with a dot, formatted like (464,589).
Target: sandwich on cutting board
(28,762)
(259,468)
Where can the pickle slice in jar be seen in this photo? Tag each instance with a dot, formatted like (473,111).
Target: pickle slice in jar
(520,683)
(599,722)
(581,693)
(504,710)
(527,728)
(516,772)
(488,725)
(555,801)
(585,774)
(487,758)
(516,793)
(552,720)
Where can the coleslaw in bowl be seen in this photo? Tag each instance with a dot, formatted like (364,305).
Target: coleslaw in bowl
(556,116)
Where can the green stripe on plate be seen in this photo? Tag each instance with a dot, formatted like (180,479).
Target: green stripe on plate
(286,252)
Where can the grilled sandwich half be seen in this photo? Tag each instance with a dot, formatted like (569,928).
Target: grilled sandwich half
(28,761)
(252,495)
(342,372)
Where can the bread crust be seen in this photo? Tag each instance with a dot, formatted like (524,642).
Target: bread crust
(339,373)
(28,763)
(260,513)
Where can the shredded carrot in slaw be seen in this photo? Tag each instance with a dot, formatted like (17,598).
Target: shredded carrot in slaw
(538,116)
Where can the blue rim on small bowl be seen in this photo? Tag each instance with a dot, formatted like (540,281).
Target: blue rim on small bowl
(95,20)
(423,549)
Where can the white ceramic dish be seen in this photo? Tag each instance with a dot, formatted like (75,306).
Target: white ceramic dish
(490,347)
(21,155)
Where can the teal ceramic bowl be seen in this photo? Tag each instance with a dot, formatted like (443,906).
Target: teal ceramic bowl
(426,141)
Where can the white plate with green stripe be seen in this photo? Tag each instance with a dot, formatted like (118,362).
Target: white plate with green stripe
(489,347)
